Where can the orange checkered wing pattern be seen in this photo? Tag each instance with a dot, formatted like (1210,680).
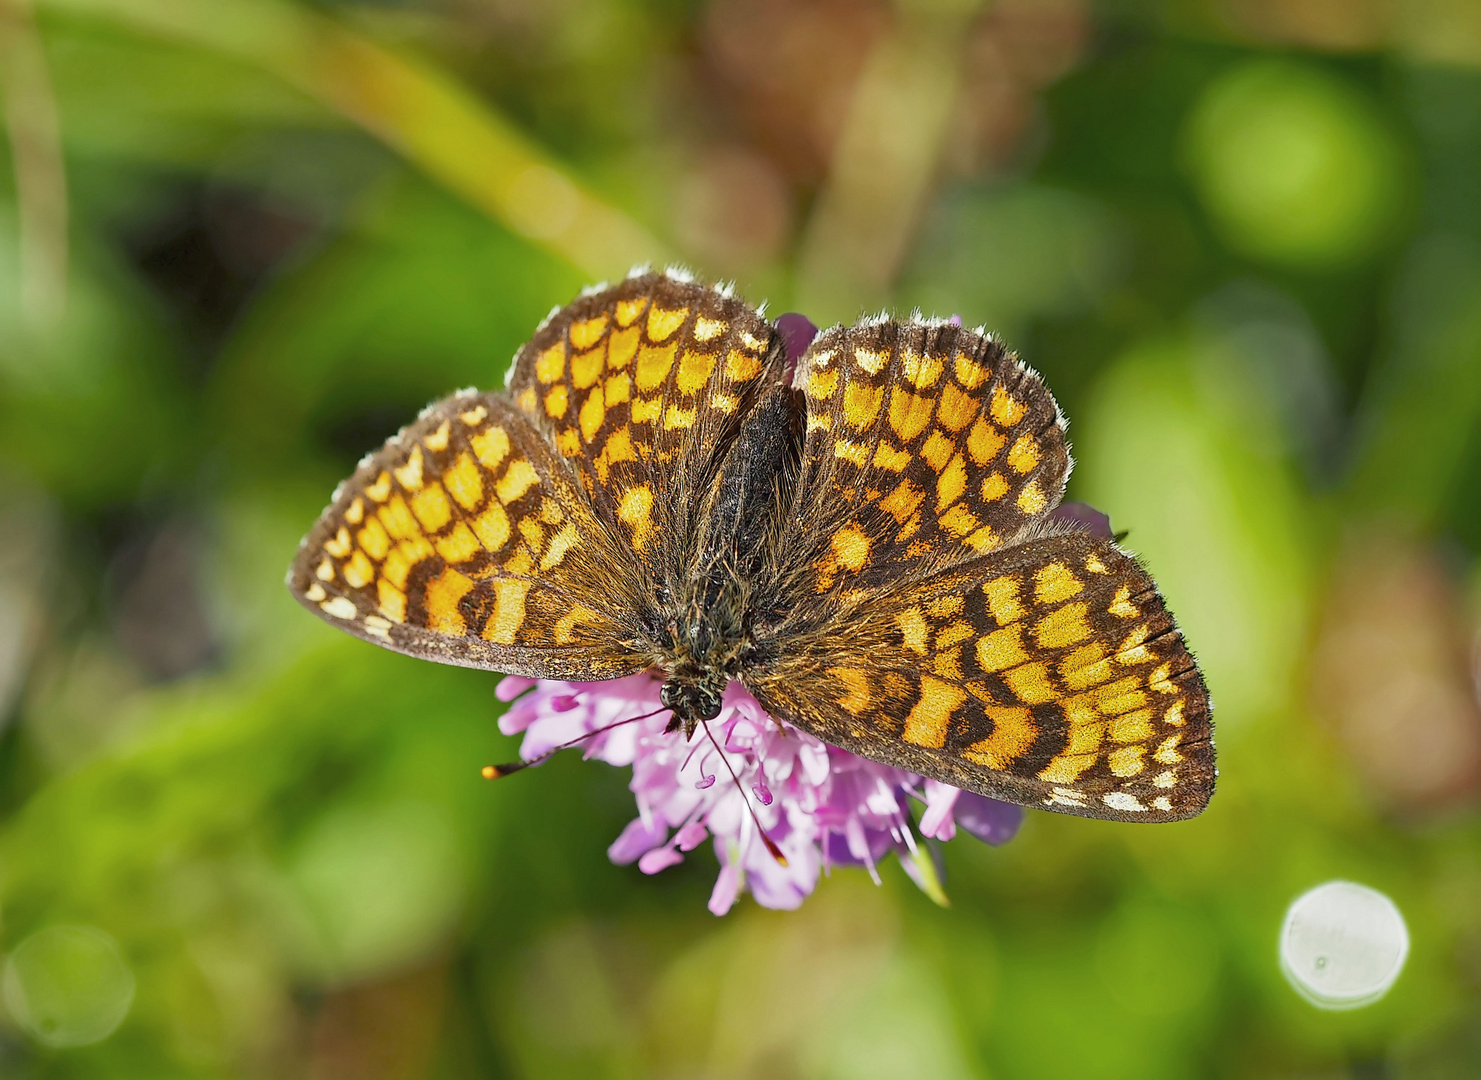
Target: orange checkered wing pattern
(1049,674)
(928,445)
(466,540)
(641,386)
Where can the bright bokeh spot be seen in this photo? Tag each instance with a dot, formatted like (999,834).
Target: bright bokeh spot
(68,986)
(1343,945)
(1293,165)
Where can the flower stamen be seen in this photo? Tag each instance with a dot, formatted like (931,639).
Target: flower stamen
(776,852)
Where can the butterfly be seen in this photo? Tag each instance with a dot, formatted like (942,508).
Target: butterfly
(862,538)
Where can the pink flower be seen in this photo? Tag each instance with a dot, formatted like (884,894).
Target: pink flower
(821,806)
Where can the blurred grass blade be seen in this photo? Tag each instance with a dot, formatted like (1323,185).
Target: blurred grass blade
(419,111)
(1421,408)
(36,150)
(882,166)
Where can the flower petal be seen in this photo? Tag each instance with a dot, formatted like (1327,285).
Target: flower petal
(937,822)
(727,885)
(1083,516)
(797,332)
(511,686)
(639,837)
(987,819)
(659,859)
(691,836)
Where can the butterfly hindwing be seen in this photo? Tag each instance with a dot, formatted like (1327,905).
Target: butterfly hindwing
(1050,674)
(467,541)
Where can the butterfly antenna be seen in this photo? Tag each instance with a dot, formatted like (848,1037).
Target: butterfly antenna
(776,852)
(498,772)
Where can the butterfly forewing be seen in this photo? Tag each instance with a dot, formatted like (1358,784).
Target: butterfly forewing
(927,445)
(1049,675)
(466,540)
(641,386)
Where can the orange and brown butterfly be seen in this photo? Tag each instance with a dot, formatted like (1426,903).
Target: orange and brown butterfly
(864,542)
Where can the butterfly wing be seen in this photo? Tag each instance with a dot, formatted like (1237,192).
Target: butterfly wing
(1049,675)
(467,540)
(932,619)
(927,445)
(643,386)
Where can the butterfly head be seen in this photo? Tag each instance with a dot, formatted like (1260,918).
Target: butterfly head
(693,697)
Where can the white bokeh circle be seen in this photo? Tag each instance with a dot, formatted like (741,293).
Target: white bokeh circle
(1343,945)
(68,985)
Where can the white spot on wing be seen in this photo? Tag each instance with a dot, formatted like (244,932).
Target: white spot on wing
(341,607)
(1066,797)
(1121,800)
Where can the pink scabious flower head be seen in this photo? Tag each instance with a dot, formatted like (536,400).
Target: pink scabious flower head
(819,806)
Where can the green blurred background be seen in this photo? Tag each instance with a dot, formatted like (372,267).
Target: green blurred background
(242,241)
